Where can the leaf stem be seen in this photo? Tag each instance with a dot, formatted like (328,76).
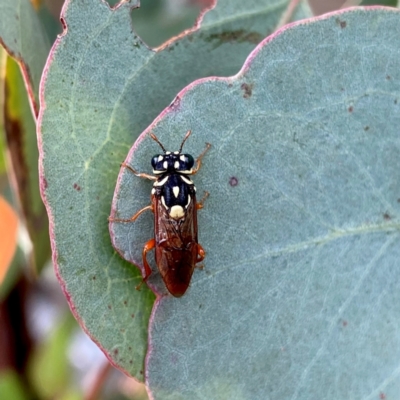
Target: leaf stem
(99,381)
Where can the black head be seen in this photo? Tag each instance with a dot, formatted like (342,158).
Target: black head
(172,162)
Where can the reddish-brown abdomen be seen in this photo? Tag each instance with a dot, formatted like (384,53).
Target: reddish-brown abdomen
(176,266)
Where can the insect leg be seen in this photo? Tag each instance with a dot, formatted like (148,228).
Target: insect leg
(199,158)
(200,254)
(147,270)
(134,217)
(139,174)
(200,204)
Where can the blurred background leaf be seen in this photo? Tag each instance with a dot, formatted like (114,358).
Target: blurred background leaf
(11,387)
(20,133)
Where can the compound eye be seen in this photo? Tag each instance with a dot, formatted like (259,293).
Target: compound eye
(188,162)
(157,162)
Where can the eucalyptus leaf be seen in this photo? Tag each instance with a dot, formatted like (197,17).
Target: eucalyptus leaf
(101,89)
(24,38)
(157,21)
(300,295)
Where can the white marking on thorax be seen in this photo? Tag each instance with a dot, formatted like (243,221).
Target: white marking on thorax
(167,152)
(153,191)
(176,164)
(163,202)
(175,189)
(162,182)
(187,205)
(165,164)
(186,180)
(176,212)
(182,158)
(176,152)
(160,158)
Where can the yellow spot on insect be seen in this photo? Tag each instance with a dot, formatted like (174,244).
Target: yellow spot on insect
(176,212)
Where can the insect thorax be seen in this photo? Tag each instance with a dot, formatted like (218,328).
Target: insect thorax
(176,192)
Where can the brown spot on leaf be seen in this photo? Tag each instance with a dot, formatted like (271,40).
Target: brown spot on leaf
(387,217)
(248,89)
(125,302)
(388,77)
(350,109)
(132,315)
(233,181)
(341,23)
(366,128)
(395,101)
(382,396)
(109,307)
(94,277)
(344,323)
(77,187)
(116,351)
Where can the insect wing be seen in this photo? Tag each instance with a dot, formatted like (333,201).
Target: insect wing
(176,246)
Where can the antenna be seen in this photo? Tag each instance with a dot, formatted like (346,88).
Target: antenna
(154,137)
(184,140)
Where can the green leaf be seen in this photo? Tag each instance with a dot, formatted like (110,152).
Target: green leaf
(20,131)
(157,21)
(3,58)
(390,3)
(13,274)
(49,22)
(300,295)
(49,369)
(23,37)
(11,386)
(102,88)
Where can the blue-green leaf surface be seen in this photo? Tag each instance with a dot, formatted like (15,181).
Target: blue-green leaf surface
(300,295)
(101,89)
(24,38)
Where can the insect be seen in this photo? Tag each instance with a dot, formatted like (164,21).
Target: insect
(173,202)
